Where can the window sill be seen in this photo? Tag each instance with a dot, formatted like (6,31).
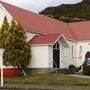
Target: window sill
(73,57)
(79,57)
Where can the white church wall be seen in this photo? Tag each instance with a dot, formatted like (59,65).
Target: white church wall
(66,55)
(63,63)
(39,57)
(72,53)
(84,45)
(30,35)
(50,56)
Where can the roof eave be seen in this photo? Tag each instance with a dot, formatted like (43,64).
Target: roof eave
(48,44)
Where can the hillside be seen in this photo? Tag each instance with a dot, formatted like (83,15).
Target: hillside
(69,12)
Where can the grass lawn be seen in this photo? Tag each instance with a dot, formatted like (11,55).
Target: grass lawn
(65,82)
(49,79)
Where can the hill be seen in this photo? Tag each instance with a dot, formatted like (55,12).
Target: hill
(69,12)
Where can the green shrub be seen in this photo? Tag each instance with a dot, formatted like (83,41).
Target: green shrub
(72,68)
(86,68)
(78,68)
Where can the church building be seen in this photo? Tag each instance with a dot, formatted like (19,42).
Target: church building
(54,44)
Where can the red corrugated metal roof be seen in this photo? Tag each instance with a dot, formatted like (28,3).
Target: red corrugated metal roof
(38,23)
(81,30)
(45,39)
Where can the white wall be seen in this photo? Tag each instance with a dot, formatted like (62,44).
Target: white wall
(68,59)
(84,45)
(39,57)
(76,60)
(50,56)
(65,60)
(42,56)
(30,36)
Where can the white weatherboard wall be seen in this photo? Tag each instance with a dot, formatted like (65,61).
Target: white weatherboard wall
(39,57)
(50,56)
(4,13)
(66,57)
(63,61)
(72,57)
(42,56)
(85,45)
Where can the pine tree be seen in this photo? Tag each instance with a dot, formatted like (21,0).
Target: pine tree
(3,32)
(17,51)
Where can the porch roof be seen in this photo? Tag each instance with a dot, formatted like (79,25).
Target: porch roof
(49,39)
(44,39)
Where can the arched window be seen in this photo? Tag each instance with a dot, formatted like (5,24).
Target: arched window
(87,56)
(56,46)
(80,50)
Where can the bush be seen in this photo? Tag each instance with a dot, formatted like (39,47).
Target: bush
(78,68)
(72,68)
(86,68)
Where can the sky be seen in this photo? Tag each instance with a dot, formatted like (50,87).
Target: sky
(38,5)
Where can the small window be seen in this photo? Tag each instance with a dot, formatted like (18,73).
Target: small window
(72,51)
(80,50)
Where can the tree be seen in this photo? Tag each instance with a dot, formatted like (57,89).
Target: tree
(3,32)
(17,51)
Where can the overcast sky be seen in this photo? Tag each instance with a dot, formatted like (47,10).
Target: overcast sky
(38,5)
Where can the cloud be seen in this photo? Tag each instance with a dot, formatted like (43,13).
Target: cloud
(38,5)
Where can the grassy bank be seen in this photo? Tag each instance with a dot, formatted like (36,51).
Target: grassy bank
(49,79)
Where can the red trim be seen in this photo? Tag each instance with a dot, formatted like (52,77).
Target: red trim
(11,72)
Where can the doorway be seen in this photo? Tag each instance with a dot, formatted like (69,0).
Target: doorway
(87,56)
(56,55)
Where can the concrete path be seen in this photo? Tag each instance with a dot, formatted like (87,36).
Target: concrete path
(80,74)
